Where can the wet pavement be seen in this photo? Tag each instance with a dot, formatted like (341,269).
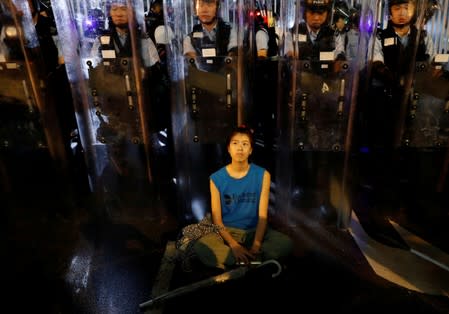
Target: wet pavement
(66,254)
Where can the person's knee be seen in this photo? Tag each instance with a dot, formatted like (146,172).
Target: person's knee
(205,254)
(288,245)
(281,247)
(214,255)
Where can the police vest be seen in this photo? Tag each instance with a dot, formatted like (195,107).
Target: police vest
(308,50)
(114,43)
(397,57)
(273,47)
(220,43)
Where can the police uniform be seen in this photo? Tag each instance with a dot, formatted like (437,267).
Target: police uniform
(311,44)
(319,130)
(121,44)
(222,39)
(393,57)
(396,52)
(268,40)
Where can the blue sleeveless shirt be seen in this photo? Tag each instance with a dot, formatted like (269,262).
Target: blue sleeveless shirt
(239,197)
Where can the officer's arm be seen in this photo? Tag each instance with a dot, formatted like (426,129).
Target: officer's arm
(339,52)
(188,47)
(152,53)
(262,43)
(430,49)
(288,46)
(232,46)
(377,53)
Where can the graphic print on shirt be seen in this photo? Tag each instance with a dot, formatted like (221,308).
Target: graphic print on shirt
(234,199)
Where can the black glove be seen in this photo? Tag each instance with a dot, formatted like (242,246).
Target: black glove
(383,73)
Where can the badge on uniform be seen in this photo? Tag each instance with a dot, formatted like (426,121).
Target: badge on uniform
(108,54)
(442,58)
(209,52)
(302,38)
(390,41)
(326,56)
(105,40)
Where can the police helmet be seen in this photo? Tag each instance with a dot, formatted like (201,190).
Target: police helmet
(398,2)
(218,2)
(317,5)
(395,2)
(207,1)
(111,2)
(341,9)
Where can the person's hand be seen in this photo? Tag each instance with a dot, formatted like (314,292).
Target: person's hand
(436,73)
(262,53)
(338,66)
(388,77)
(190,55)
(241,254)
(255,249)
(383,73)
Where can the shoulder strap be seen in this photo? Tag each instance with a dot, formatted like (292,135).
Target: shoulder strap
(223,34)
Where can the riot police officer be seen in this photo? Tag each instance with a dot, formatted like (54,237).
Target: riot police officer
(397,48)
(318,135)
(122,157)
(267,34)
(315,35)
(346,23)
(212,37)
(158,31)
(117,38)
(154,18)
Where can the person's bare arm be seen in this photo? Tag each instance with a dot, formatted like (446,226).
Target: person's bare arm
(263,214)
(241,254)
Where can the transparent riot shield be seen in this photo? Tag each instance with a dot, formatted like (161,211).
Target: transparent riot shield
(211,96)
(265,40)
(424,137)
(30,129)
(427,121)
(208,88)
(316,113)
(110,62)
(403,168)
(428,125)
